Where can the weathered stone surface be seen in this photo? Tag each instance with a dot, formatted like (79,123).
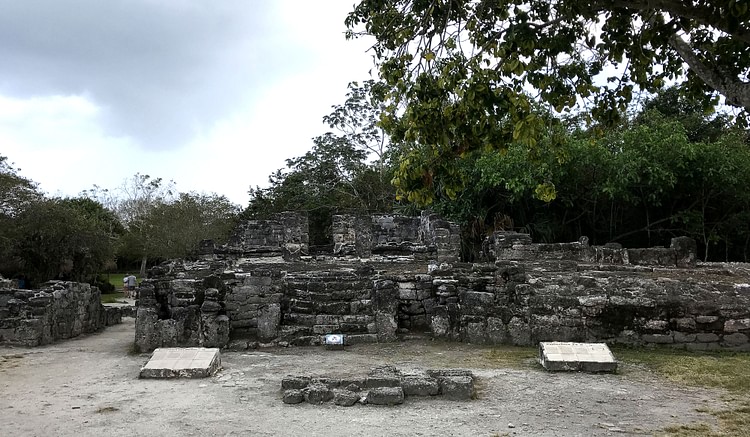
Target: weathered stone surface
(58,310)
(293,396)
(735,339)
(386,325)
(737,325)
(420,386)
(586,357)
(562,291)
(345,398)
(385,396)
(182,363)
(457,388)
(295,382)
(318,393)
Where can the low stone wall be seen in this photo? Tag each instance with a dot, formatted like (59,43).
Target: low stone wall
(530,293)
(421,238)
(384,385)
(518,247)
(59,310)
(698,309)
(284,235)
(509,302)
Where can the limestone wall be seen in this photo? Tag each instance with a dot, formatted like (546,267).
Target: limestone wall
(285,235)
(518,247)
(508,302)
(59,310)
(394,275)
(698,309)
(421,238)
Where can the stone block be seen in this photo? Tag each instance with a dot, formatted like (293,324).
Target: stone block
(318,393)
(706,319)
(385,396)
(293,396)
(479,303)
(457,388)
(684,323)
(736,325)
(420,386)
(382,380)
(735,339)
(269,319)
(386,326)
(706,337)
(193,362)
(295,382)
(586,357)
(440,325)
(475,332)
(326,329)
(519,332)
(658,338)
(345,398)
(680,337)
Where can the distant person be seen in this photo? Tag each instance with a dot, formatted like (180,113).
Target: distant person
(130,282)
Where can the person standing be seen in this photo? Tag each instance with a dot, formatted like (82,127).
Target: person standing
(131,285)
(129,282)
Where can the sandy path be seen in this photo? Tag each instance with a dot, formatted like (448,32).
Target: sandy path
(89,387)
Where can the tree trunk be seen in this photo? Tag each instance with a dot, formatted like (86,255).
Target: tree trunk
(143,267)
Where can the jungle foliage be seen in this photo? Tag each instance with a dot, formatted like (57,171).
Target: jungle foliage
(467,76)
(346,170)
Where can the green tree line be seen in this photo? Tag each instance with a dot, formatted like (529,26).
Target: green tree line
(78,238)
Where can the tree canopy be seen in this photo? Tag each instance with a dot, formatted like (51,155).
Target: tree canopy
(466,75)
(348,169)
(668,170)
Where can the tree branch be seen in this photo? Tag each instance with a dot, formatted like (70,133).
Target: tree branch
(702,14)
(736,91)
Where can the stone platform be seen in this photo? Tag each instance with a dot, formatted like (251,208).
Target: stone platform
(190,362)
(585,357)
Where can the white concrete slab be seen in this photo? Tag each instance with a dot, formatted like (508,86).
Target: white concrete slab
(587,357)
(189,362)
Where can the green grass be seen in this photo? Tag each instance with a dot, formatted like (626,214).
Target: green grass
(116,280)
(513,356)
(725,370)
(112,297)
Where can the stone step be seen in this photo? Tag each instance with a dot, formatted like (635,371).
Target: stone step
(189,362)
(586,357)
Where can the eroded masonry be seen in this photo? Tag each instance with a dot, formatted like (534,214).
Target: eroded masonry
(389,276)
(58,310)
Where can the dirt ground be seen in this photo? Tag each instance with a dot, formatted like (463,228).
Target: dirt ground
(89,386)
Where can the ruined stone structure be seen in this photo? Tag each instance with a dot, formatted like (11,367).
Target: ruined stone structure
(385,385)
(59,310)
(390,275)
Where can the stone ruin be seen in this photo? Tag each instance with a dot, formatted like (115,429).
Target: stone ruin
(385,385)
(390,277)
(58,310)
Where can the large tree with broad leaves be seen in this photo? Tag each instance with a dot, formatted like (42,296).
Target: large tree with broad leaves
(468,75)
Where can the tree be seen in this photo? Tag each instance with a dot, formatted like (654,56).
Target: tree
(349,170)
(463,75)
(62,238)
(136,198)
(16,194)
(174,229)
(15,191)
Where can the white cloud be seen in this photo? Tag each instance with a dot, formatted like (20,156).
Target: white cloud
(230,104)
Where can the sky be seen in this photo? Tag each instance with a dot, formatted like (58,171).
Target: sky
(213,95)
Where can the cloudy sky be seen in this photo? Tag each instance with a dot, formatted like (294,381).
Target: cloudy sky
(214,95)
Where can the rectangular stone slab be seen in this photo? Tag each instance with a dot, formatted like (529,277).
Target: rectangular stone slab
(188,362)
(587,357)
